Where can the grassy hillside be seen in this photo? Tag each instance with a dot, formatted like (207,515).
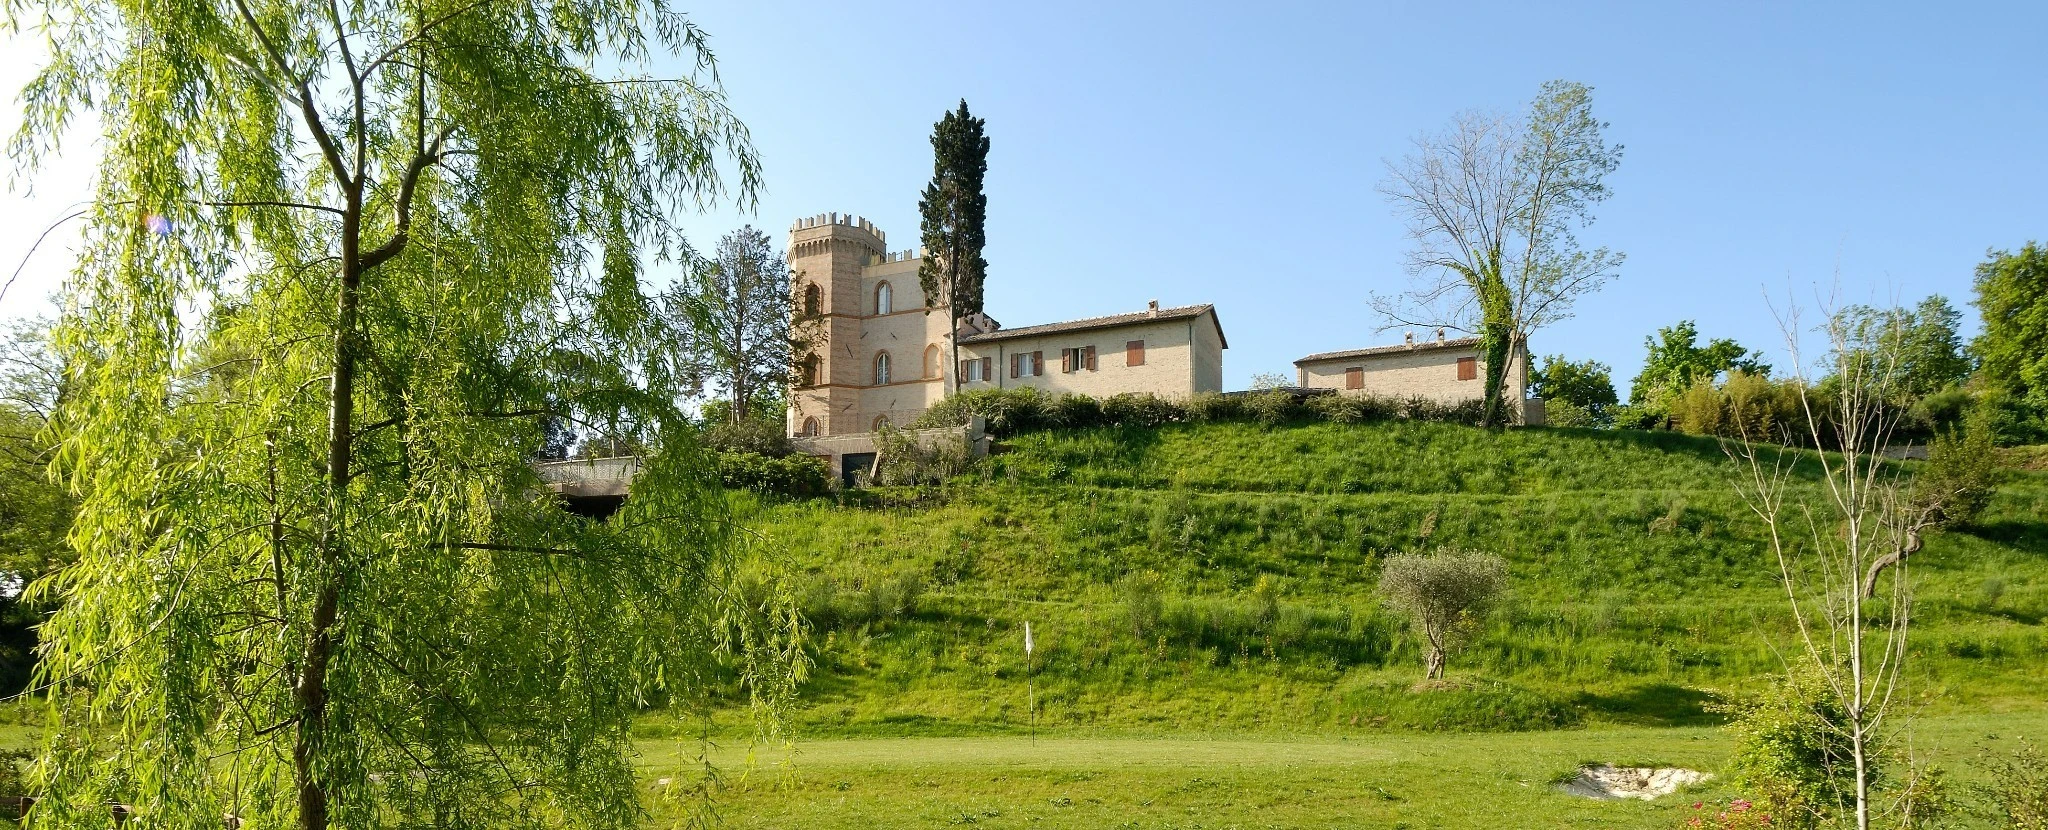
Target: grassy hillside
(1219,578)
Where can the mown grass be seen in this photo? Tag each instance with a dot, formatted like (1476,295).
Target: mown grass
(1452,782)
(1642,588)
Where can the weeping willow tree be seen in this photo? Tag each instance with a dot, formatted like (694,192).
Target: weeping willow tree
(348,263)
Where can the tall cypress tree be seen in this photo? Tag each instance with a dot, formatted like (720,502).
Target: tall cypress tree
(954,211)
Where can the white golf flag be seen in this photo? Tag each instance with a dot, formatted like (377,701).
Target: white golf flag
(1027,638)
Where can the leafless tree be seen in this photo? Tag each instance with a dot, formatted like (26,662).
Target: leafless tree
(1860,517)
(1492,205)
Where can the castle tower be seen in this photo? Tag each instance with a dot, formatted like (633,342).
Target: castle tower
(827,253)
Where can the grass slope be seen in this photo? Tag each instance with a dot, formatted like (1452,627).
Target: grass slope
(1641,588)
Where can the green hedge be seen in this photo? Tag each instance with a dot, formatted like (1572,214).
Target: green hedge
(1010,411)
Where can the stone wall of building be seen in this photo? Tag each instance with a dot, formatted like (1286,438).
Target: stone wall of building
(1427,371)
(1181,358)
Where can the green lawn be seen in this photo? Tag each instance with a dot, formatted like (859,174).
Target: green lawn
(1477,781)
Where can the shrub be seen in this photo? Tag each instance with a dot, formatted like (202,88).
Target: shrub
(1006,411)
(2017,792)
(1143,603)
(1444,594)
(1961,472)
(752,436)
(793,476)
(1074,411)
(1791,752)
(1567,414)
(1147,410)
(1353,409)
(1212,407)
(906,460)
(1273,407)
(1941,411)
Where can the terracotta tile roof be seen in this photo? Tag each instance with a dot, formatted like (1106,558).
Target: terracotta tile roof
(1112,321)
(1400,348)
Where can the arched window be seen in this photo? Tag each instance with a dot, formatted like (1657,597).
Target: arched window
(807,371)
(810,429)
(881,368)
(883,299)
(931,361)
(881,423)
(814,301)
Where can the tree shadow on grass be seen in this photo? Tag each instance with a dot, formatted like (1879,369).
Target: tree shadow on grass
(2019,534)
(1653,704)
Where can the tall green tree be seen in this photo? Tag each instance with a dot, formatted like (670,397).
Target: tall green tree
(2012,294)
(1676,361)
(1933,352)
(344,262)
(1587,384)
(955,212)
(746,321)
(1493,205)
(35,511)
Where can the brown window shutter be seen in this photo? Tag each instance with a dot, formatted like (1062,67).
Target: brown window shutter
(1066,360)
(1088,357)
(1468,368)
(962,370)
(1354,377)
(988,368)
(1015,362)
(1134,353)
(1037,363)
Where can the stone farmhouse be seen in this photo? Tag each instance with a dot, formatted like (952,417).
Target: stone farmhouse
(1443,370)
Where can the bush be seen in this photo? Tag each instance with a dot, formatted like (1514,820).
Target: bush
(1568,415)
(1353,409)
(1961,472)
(2017,793)
(907,460)
(1274,407)
(1143,603)
(1940,412)
(1791,753)
(1147,410)
(1074,411)
(752,436)
(1006,411)
(792,476)
(1213,407)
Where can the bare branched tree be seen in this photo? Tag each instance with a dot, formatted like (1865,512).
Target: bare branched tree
(1492,205)
(1861,517)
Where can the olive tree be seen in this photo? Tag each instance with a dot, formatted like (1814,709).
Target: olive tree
(1444,594)
(345,263)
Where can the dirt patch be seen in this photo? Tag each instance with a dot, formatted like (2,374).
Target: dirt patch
(1644,783)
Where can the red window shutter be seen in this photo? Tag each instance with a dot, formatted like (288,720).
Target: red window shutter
(988,368)
(1354,377)
(1468,368)
(1134,353)
(1037,363)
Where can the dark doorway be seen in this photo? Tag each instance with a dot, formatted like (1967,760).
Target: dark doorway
(852,464)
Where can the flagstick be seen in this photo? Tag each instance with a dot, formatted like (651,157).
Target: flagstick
(1030,684)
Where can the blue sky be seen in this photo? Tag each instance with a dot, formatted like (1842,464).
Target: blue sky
(1229,153)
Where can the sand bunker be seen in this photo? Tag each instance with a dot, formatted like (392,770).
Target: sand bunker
(1642,783)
